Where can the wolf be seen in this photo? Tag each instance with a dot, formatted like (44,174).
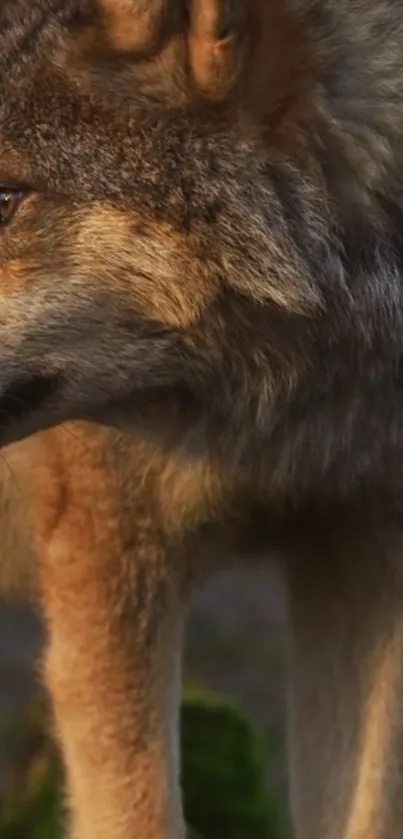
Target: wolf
(201,358)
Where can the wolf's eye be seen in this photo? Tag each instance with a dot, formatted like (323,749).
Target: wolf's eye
(10,199)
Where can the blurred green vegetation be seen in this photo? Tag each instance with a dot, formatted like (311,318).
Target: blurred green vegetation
(226,795)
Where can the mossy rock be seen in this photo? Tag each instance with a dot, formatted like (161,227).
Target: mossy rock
(223,776)
(31,808)
(223,772)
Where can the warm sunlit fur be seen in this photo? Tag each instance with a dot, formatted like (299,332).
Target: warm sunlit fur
(201,354)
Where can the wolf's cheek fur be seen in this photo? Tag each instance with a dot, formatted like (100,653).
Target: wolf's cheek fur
(156,269)
(91,301)
(115,301)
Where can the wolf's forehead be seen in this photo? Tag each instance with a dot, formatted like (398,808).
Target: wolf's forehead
(25,24)
(62,132)
(57,138)
(42,118)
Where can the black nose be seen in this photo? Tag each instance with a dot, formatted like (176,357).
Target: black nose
(25,395)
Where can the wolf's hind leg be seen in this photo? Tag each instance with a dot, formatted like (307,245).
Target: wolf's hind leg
(346,684)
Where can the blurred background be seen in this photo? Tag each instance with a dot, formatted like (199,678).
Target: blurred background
(234,690)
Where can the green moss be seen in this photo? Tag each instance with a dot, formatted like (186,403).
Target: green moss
(223,772)
(31,809)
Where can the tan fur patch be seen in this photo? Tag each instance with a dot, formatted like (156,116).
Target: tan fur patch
(151,265)
(192,493)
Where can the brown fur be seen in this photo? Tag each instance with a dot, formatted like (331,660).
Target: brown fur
(201,321)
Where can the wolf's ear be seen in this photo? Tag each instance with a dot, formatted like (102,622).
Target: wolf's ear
(251,53)
(211,29)
(133,25)
(256,54)
(217,38)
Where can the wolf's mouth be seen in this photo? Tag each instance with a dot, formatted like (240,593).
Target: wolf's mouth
(23,396)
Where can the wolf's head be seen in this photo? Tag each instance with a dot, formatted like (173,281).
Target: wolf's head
(184,205)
